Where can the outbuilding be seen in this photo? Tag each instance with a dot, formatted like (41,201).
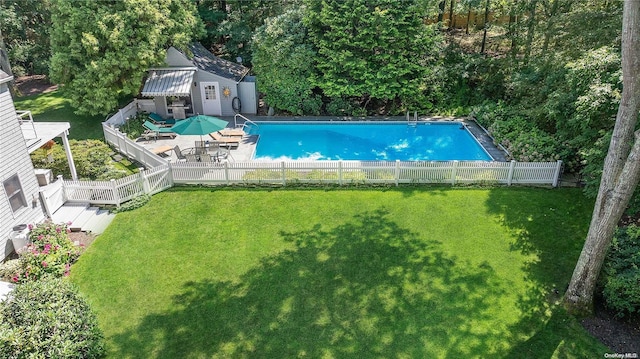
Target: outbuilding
(197,82)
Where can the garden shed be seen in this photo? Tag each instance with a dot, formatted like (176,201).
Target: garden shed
(197,82)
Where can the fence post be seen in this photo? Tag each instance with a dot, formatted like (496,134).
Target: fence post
(454,172)
(145,184)
(556,175)
(170,173)
(397,174)
(226,173)
(62,186)
(116,195)
(282,172)
(340,172)
(510,175)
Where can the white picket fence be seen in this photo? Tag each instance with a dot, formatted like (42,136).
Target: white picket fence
(162,174)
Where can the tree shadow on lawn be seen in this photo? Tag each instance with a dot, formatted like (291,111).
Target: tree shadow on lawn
(544,228)
(366,288)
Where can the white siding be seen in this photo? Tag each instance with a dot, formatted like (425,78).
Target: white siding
(225,102)
(14,159)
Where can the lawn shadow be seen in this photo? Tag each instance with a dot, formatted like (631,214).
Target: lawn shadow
(545,227)
(366,288)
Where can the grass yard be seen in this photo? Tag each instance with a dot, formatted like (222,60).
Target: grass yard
(54,107)
(283,273)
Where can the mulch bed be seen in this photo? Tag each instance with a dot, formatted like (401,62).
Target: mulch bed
(33,85)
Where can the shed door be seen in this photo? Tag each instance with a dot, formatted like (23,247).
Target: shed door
(210,98)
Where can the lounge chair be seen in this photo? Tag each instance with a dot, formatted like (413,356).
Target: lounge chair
(158,120)
(232,132)
(225,140)
(155,131)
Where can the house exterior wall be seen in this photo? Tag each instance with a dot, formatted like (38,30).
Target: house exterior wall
(225,102)
(14,159)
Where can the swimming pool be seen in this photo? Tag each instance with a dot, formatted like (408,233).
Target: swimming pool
(386,141)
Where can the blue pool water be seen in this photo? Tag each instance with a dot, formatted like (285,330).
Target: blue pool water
(366,141)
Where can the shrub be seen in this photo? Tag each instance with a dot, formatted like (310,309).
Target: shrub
(48,319)
(92,158)
(621,272)
(51,253)
(340,107)
(133,126)
(136,202)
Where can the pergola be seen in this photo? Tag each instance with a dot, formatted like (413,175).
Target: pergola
(37,134)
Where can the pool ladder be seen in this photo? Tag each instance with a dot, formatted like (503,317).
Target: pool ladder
(412,122)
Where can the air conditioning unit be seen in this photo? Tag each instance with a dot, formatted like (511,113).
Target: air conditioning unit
(44,176)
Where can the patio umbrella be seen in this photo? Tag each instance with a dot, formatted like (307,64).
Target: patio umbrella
(199,125)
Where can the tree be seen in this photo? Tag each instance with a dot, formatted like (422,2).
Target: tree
(373,49)
(102,49)
(25,26)
(281,55)
(620,174)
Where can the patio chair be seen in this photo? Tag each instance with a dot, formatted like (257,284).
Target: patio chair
(232,132)
(225,140)
(191,157)
(207,158)
(162,122)
(155,131)
(179,155)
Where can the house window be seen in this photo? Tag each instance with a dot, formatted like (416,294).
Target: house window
(210,92)
(13,189)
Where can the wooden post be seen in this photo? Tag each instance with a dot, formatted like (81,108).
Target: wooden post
(340,172)
(284,178)
(226,173)
(397,173)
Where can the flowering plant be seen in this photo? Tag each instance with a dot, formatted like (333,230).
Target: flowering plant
(50,253)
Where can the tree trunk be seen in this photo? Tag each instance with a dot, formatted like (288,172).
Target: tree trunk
(452,22)
(531,27)
(468,19)
(441,6)
(551,16)
(620,174)
(484,35)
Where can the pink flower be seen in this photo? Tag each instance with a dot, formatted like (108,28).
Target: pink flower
(69,223)
(30,226)
(16,278)
(44,264)
(58,230)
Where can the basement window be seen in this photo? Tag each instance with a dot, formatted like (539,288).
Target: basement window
(13,190)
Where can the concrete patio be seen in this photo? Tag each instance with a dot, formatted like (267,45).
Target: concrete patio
(244,151)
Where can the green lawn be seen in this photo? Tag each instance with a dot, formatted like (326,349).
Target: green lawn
(393,273)
(54,107)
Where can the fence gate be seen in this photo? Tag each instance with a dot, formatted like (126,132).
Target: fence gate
(52,197)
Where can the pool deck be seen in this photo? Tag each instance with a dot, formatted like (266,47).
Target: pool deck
(247,146)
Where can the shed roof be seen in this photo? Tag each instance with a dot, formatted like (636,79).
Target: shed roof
(206,61)
(168,82)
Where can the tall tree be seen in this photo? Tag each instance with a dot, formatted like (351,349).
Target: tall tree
(281,55)
(620,174)
(102,49)
(373,49)
(25,25)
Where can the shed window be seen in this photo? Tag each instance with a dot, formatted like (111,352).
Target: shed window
(13,190)
(210,92)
